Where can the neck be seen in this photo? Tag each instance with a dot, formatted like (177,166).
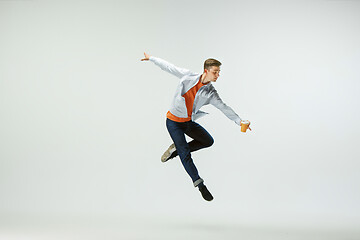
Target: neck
(204,80)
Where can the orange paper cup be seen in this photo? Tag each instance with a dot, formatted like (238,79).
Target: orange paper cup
(244,125)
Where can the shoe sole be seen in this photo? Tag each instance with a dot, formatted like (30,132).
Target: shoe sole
(167,153)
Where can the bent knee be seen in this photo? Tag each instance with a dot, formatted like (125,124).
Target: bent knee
(210,142)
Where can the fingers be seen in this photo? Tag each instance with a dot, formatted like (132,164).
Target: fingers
(146,57)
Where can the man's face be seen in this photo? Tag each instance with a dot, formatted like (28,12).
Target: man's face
(213,74)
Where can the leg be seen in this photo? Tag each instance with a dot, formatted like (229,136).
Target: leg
(202,139)
(177,134)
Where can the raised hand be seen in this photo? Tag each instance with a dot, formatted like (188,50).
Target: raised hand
(146,58)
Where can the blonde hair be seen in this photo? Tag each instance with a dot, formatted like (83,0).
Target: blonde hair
(211,62)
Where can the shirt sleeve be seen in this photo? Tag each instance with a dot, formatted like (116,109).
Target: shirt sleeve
(169,67)
(216,101)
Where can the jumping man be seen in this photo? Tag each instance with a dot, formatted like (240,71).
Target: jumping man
(194,91)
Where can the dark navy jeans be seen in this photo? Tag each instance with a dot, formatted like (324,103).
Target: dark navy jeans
(201,139)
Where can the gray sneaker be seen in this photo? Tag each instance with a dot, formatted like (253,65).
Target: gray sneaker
(167,154)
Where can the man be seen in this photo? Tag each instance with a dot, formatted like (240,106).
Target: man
(194,91)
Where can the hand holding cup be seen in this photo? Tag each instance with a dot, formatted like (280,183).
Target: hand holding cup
(245,124)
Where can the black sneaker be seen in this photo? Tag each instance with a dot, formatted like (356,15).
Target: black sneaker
(205,193)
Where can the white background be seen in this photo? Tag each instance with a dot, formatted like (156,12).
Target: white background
(82,119)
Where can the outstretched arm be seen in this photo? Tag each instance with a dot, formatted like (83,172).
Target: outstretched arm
(166,66)
(228,111)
